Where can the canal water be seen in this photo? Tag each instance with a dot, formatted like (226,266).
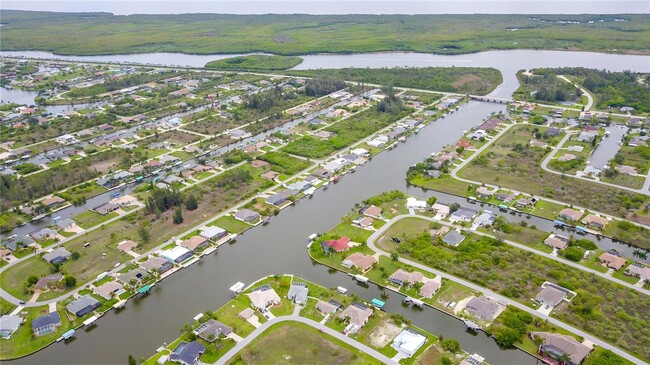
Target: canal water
(280,247)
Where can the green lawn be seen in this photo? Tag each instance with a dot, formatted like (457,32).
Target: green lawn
(89,219)
(231,225)
(255,63)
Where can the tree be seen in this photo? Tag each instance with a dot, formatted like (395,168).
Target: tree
(32,280)
(132,360)
(454,207)
(640,254)
(450,345)
(145,234)
(191,203)
(75,255)
(70,281)
(394,256)
(432,200)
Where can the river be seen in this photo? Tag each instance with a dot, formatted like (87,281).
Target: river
(280,247)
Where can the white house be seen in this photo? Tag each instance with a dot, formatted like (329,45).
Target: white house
(408,342)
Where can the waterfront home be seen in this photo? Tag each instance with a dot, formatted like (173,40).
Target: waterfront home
(212,330)
(8,325)
(213,233)
(106,208)
(298,293)
(176,255)
(326,307)
(339,245)
(82,306)
(357,316)
(263,297)
(65,224)
(157,264)
(551,295)
(474,359)
(440,209)
(453,238)
(557,241)
(247,215)
(195,243)
(484,308)
(107,289)
(595,221)
(556,346)
(430,287)
(612,261)
(134,277)
(408,342)
(401,277)
(463,215)
(276,199)
(187,353)
(52,201)
(638,270)
(42,234)
(363,222)
(360,261)
(570,214)
(372,211)
(57,255)
(46,324)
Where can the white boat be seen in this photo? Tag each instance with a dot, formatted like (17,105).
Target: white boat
(341,289)
(361,278)
(237,288)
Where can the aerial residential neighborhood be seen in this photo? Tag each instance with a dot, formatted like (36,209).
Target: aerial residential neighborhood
(324,183)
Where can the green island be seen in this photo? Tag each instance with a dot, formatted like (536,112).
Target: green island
(306,329)
(255,63)
(105,33)
(488,262)
(466,80)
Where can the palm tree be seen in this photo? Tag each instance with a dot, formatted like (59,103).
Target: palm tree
(565,359)
(641,255)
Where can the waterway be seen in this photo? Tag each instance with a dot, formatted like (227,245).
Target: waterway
(280,247)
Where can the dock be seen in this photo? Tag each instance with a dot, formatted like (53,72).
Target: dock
(237,288)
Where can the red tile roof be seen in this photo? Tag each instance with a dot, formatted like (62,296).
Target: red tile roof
(340,244)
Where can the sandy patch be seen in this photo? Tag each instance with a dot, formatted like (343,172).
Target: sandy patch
(384,333)
(462,304)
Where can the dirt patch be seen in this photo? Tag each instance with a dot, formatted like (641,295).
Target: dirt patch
(207,34)
(465,79)
(384,333)
(643,219)
(104,166)
(282,39)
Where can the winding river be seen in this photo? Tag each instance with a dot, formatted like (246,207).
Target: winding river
(280,247)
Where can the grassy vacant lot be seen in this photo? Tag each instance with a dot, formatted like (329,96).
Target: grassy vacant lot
(231,225)
(627,232)
(299,344)
(255,63)
(511,163)
(347,132)
(89,219)
(517,274)
(284,163)
(473,80)
(104,33)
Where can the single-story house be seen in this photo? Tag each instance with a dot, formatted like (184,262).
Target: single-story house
(107,289)
(263,297)
(247,215)
(401,277)
(298,292)
(372,211)
(65,224)
(138,275)
(126,246)
(408,342)
(570,214)
(213,233)
(556,345)
(325,307)
(47,281)
(84,305)
(612,261)
(276,199)
(8,325)
(638,270)
(212,330)
(595,221)
(557,241)
(42,234)
(357,314)
(553,132)
(360,261)
(453,238)
(106,208)
(339,245)
(270,175)
(187,353)
(463,214)
(259,164)
(53,201)
(440,209)
(46,324)
(246,313)
(176,255)
(430,287)
(484,192)
(57,255)
(551,295)
(484,308)
(195,243)
(157,264)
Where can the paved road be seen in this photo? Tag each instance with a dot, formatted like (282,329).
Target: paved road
(587,336)
(454,174)
(293,318)
(590,99)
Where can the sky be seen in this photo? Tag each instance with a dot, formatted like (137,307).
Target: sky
(120,7)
